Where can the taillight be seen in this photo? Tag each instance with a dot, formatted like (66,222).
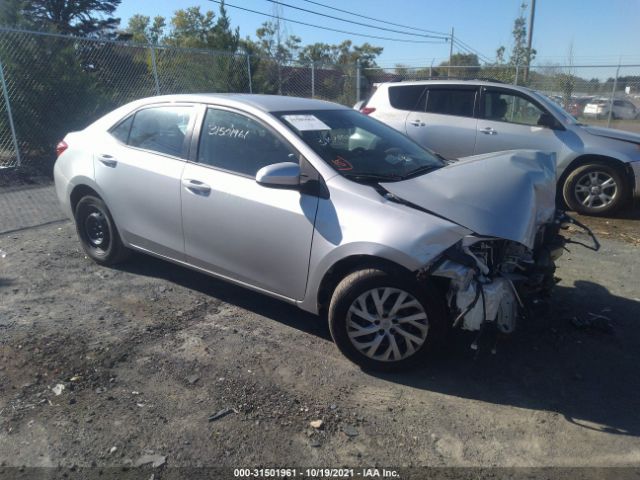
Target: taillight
(61,147)
(367,110)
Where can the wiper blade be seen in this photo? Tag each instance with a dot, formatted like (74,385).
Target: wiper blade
(371,176)
(421,171)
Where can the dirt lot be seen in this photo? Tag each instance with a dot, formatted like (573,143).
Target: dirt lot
(146,353)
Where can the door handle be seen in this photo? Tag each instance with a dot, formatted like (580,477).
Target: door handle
(417,123)
(489,131)
(196,186)
(108,160)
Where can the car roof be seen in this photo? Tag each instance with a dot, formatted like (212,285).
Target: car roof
(472,82)
(266,103)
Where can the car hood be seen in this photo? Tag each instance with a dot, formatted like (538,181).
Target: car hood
(613,133)
(505,194)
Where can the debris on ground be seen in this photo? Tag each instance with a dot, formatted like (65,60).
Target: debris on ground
(222,413)
(349,431)
(155,461)
(57,390)
(192,379)
(595,321)
(113,449)
(317,424)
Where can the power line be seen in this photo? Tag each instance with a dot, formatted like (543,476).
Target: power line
(421,35)
(464,46)
(376,19)
(326,28)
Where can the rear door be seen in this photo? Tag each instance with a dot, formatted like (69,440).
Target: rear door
(509,120)
(139,169)
(235,227)
(446,123)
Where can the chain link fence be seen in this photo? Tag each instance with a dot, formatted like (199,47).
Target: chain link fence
(52,84)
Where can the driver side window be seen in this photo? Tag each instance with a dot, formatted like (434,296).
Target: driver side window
(507,107)
(234,142)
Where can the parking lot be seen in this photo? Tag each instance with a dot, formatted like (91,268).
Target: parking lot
(114,367)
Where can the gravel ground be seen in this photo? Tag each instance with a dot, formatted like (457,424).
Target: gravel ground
(114,367)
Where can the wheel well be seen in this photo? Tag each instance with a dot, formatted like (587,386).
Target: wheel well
(81,191)
(584,160)
(343,267)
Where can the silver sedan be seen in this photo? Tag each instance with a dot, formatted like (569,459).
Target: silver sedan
(320,206)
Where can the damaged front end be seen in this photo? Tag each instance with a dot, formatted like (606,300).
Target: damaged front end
(495,282)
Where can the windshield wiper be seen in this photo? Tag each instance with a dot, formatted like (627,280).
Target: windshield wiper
(376,177)
(421,170)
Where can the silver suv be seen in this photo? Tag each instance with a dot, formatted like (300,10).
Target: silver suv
(598,168)
(322,207)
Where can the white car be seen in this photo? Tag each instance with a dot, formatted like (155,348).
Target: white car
(622,109)
(598,168)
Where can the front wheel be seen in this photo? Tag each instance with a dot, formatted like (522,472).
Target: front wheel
(385,321)
(98,233)
(595,189)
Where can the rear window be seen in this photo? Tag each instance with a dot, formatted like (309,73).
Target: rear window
(457,102)
(407,97)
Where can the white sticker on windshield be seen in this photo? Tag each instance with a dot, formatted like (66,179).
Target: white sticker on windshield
(306,122)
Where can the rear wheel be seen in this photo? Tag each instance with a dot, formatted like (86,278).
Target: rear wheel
(98,233)
(385,321)
(595,189)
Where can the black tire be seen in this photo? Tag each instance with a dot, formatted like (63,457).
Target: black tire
(575,200)
(98,233)
(362,281)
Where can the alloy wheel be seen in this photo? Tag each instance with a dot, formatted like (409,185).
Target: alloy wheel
(596,189)
(387,324)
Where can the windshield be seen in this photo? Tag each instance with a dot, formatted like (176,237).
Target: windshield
(560,113)
(359,147)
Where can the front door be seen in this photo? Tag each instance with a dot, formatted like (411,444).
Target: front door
(509,121)
(235,227)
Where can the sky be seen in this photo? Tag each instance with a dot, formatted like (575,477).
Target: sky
(600,31)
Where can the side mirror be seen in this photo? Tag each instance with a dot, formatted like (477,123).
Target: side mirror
(547,120)
(283,175)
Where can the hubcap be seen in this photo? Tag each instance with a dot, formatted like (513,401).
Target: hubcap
(596,189)
(97,229)
(387,324)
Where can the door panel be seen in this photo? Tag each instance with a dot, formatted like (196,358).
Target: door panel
(142,191)
(509,121)
(138,167)
(232,225)
(447,126)
(242,230)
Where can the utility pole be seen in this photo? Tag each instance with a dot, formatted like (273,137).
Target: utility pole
(532,16)
(450,53)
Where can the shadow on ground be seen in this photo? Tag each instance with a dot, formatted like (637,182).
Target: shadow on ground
(588,376)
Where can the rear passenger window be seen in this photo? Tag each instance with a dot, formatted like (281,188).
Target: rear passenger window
(407,97)
(237,143)
(121,131)
(161,129)
(451,102)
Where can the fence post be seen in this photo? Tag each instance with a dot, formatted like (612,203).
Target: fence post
(613,94)
(313,79)
(155,68)
(5,93)
(357,80)
(249,72)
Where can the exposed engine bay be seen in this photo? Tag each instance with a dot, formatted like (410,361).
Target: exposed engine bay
(496,282)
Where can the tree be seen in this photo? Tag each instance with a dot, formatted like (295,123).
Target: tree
(11,13)
(191,28)
(143,30)
(74,17)
(468,60)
